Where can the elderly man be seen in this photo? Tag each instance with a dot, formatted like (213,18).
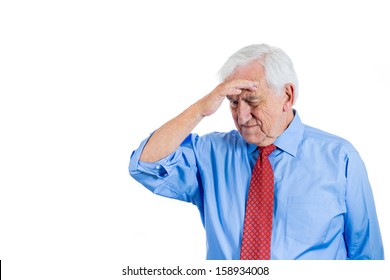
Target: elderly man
(274,188)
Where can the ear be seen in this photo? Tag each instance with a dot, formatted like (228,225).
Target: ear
(289,91)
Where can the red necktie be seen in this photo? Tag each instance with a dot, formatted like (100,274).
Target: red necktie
(256,240)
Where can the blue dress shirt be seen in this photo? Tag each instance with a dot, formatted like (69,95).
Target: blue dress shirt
(324,206)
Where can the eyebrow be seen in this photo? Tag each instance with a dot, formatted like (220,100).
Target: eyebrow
(249,97)
(252,97)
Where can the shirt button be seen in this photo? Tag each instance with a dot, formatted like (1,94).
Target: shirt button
(158,167)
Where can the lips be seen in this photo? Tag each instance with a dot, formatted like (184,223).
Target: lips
(249,126)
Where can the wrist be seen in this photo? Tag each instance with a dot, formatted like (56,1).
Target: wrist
(198,111)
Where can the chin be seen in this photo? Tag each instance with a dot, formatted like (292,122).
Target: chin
(254,138)
(251,139)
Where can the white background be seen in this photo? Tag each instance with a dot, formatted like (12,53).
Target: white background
(83,82)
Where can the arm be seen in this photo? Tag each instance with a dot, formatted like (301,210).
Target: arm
(362,232)
(168,137)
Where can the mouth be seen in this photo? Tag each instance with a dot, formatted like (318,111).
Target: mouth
(249,126)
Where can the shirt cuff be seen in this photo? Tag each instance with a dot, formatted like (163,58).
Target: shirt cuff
(160,168)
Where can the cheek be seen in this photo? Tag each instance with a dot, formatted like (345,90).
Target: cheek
(234,114)
(265,118)
(235,118)
(262,114)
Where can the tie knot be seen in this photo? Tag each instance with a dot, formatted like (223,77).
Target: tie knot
(265,151)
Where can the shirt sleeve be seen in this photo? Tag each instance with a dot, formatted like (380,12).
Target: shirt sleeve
(362,233)
(175,176)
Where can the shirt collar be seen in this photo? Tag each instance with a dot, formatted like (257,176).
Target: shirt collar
(290,138)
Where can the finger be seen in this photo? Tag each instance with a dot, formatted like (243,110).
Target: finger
(238,86)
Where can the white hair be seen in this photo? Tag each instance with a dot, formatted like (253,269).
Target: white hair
(279,69)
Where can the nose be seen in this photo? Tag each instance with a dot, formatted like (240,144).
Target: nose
(244,113)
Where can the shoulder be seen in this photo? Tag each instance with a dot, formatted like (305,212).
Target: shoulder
(221,140)
(232,135)
(326,141)
(226,137)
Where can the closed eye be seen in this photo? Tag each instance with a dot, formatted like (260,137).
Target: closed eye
(233,102)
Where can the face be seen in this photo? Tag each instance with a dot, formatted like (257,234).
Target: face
(262,115)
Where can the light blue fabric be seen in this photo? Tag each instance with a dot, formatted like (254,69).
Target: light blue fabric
(324,206)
